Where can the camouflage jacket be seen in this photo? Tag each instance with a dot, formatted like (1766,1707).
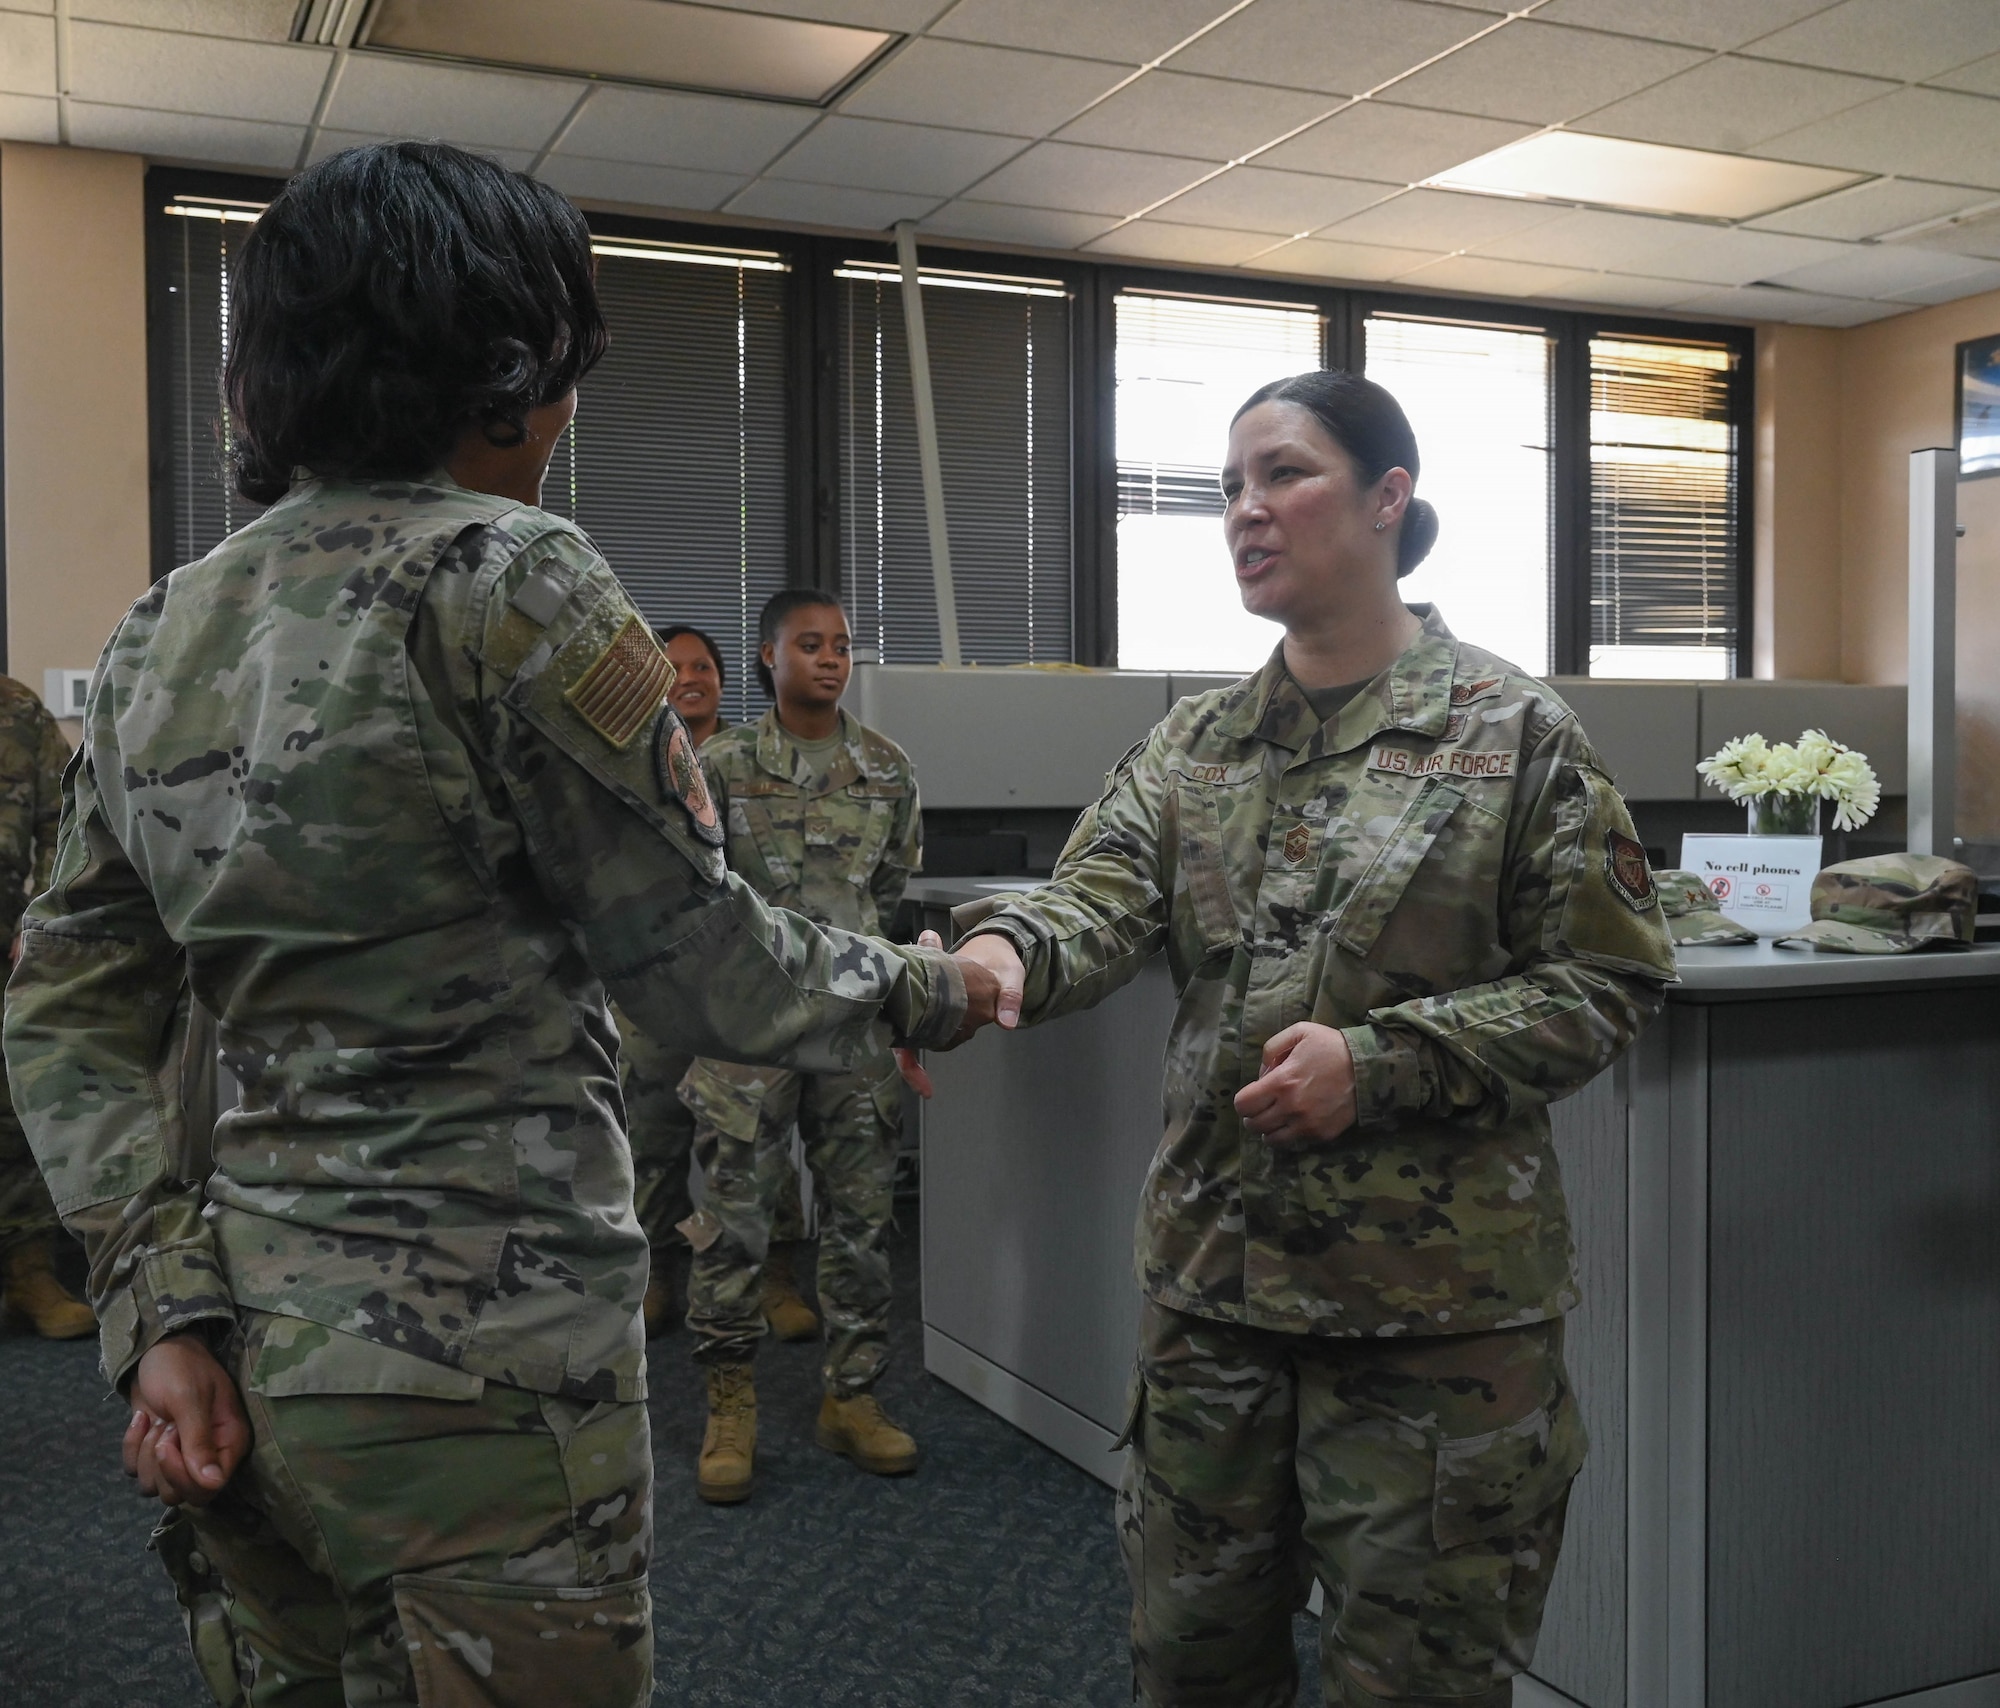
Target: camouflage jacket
(32,756)
(388,780)
(839,847)
(1445,872)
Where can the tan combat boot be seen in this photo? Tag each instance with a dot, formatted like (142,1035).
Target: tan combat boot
(860,1429)
(729,1447)
(790,1317)
(37,1300)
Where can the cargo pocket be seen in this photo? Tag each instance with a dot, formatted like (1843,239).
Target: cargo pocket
(204,1605)
(493,1645)
(1358,916)
(1497,1510)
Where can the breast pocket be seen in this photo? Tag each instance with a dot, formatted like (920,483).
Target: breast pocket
(856,824)
(1363,876)
(766,838)
(1202,855)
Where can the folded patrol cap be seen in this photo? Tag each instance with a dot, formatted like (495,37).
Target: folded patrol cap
(1693,913)
(1890,904)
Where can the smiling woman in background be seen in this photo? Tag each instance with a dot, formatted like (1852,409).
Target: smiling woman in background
(1404,911)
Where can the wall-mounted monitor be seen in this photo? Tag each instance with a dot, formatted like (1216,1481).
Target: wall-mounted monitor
(1979,407)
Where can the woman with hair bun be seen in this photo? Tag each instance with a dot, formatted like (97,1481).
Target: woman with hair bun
(1405,911)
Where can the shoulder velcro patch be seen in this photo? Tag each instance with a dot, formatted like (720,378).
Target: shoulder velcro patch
(621,689)
(1631,874)
(681,778)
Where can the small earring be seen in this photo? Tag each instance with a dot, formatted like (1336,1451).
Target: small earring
(1379,526)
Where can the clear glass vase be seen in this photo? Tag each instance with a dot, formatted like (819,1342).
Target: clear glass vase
(1784,815)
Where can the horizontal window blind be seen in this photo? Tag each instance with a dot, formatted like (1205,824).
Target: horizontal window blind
(1663,509)
(1000,384)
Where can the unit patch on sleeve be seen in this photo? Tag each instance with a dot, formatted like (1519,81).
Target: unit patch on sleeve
(624,685)
(681,778)
(1631,874)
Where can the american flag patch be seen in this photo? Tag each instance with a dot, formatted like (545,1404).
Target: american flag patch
(625,685)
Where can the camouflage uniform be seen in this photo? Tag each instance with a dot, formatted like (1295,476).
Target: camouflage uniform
(839,844)
(32,756)
(387,780)
(1444,871)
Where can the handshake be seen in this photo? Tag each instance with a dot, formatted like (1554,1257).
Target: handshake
(993,981)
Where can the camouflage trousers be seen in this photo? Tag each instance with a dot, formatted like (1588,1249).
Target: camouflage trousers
(26,1209)
(406,1551)
(850,1124)
(1422,1480)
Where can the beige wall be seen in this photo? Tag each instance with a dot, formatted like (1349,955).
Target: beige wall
(73,316)
(1796,487)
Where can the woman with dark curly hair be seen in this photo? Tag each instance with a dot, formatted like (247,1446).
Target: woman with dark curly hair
(389,783)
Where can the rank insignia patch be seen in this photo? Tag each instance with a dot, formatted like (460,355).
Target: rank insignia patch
(1631,875)
(681,778)
(624,685)
(1297,844)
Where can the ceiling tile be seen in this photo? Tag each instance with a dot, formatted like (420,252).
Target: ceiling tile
(28,118)
(1342,47)
(410,97)
(1441,220)
(1619,290)
(826,204)
(1210,117)
(185,136)
(1981,77)
(702,133)
(1951,290)
(1398,145)
(1698,23)
(1663,248)
(1847,312)
(326,142)
(1193,243)
(1543,73)
(246,20)
(1286,204)
(867,14)
(46,8)
(195,74)
(1975,234)
(1919,133)
(1732,104)
(968,87)
(1135,32)
(1753,302)
(1481,275)
(1042,228)
(1090,180)
(1868,210)
(1360,262)
(27,54)
(642,186)
(1880,270)
(871,154)
(1890,38)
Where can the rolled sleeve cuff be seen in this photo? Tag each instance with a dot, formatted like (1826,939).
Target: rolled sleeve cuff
(170,1293)
(946,1000)
(1388,1074)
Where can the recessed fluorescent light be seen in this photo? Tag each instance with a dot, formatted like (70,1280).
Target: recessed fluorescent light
(699,255)
(636,41)
(1608,171)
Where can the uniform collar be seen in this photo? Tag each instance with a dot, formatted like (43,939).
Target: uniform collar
(778,754)
(1413,694)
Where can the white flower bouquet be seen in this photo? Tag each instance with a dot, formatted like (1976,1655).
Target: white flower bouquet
(1783,783)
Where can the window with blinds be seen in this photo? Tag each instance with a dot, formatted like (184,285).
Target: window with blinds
(1000,384)
(1184,366)
(1481,401)
(1663,509)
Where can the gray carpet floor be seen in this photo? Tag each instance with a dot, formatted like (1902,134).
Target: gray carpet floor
(990,1577)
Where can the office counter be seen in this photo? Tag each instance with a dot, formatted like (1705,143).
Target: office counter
(1787,1212)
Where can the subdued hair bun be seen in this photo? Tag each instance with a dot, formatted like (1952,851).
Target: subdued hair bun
(1420,533)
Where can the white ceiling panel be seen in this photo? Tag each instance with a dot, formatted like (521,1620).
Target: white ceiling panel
(1040,228)
(872,154)
(1881,270)
(867,14)
(968,87)
(701,133)
(1396,145)
(1852,312)
(823,204)
(1286,204)
(326,142)
(1342,47)
(1359,263)
(1481,275)
(1620,290)
(1868,210)
(246,20)
(1890,38)
(27,54)
(28,118)
(1439,220)
(185,136)
(1976,234)
(1195,244)
(1698,23)
(1981,77)
(1917,133)
(1543,73)
(1208,117)
(46,8)
(642,186)
(195,74)
(1732,104)
(1951,290)
(1133,31)
(1090,180)
(1661,248)
(1752,302)
(387,96)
